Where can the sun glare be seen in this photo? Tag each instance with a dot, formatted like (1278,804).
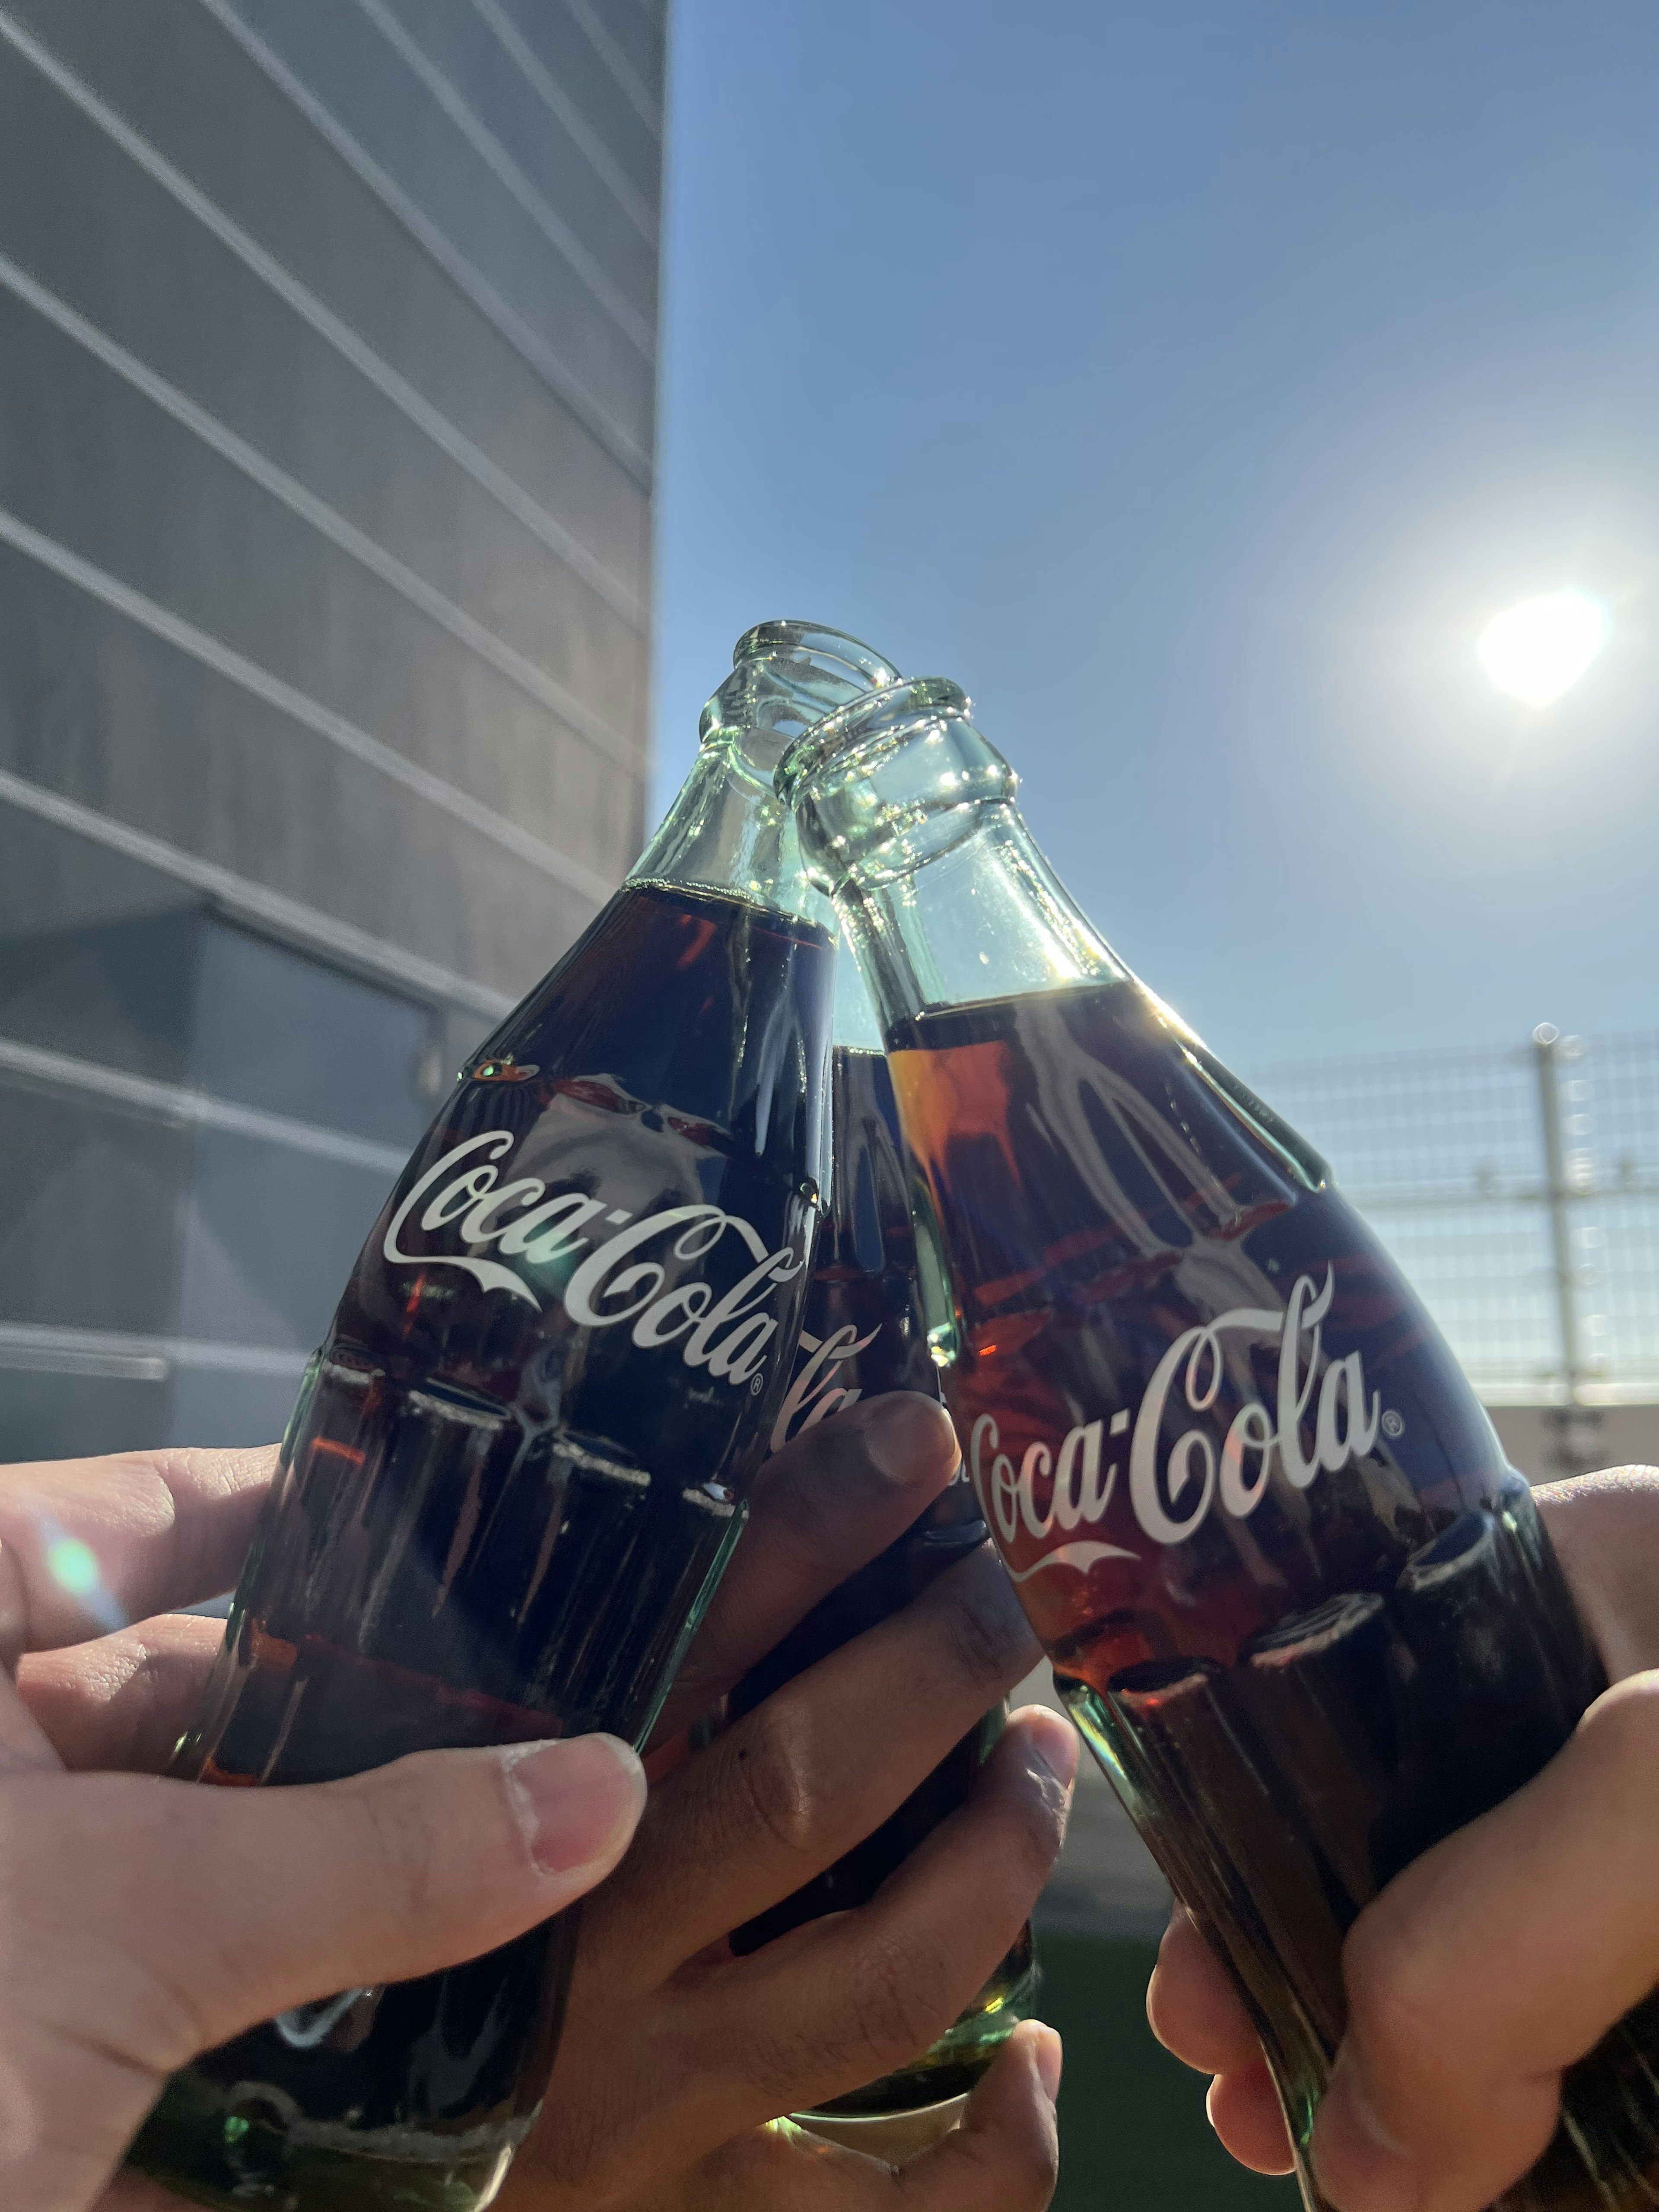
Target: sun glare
(1540,649)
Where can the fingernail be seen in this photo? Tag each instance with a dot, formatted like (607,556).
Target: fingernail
(1357,2163)
(1055,1742)
(908,1436)
(577,1800)
(1050,2058)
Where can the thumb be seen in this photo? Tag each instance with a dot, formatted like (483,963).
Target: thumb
(193,1912)
(1006,2152)
(1489,1965)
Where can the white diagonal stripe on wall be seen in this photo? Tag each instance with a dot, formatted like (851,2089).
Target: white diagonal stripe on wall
(176,1102)
(558,103)
(535,349)
(131,1357)
(304,302)
(530,678)
(506,171)
(288,919)
(637,96)
(311,713)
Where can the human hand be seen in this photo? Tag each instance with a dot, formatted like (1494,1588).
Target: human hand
(168,1527)
(1497,1958)
(143,1921)
(675,2054)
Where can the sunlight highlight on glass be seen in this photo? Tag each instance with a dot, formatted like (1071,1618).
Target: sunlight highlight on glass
(1540,649)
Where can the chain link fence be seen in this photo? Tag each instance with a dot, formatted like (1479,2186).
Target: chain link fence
(1519,1189)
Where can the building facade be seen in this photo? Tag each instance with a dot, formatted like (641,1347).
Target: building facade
(327,403)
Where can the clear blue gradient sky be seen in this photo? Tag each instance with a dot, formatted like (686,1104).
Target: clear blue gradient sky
(1192,381)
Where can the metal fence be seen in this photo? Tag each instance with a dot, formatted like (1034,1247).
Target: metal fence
(1519,1189)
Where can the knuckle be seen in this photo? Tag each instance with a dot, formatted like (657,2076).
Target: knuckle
(905,2003)
(1393,1986)
(889,2016)
(988,1640)
(398,1841)
(773,1768)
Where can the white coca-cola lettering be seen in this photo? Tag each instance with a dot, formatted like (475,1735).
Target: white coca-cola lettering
(1172,1500)
(490,1274)
(700,1228)
(546,1231)
(1251,1431)
(1004,1499)
(476,1227)
(724,1356)
(727,1335)
(1301,1311)
(1078,1494)
(1037,1461)
(814,1387)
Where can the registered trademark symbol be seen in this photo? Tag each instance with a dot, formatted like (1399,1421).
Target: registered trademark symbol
(1392,1425)
(756,1384)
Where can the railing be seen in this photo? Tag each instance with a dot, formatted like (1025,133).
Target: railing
(1519,1189)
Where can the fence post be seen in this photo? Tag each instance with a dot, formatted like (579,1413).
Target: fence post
(1545,1044)
(1576,1426)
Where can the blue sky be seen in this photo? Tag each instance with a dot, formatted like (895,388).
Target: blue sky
(1192,382)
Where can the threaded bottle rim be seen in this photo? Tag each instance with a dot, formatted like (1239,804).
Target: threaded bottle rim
(786,674)
(869,727)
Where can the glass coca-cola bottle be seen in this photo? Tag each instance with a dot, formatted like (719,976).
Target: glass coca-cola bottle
(518,1463)
(865,1330)
(1304,1614)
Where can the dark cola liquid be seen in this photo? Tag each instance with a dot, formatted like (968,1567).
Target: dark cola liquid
(514,1471)
(1304,1613)
(863,1330)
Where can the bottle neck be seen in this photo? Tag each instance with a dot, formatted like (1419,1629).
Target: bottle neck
(727,831)
(856,1024)
(905,813)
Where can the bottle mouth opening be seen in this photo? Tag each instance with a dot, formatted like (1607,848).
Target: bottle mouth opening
(866,728)
(815,642)
(785,675)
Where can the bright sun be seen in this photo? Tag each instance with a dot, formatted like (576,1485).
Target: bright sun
(1540,649)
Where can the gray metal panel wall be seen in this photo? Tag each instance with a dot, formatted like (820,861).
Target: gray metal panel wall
(326,374)
(327,406)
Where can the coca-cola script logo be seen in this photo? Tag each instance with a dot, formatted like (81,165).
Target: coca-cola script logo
(1171,1501)
(727,1335)
(814,1390)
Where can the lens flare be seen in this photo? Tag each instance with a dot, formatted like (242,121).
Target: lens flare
(72,1566)
(75,1568)
(1540,649)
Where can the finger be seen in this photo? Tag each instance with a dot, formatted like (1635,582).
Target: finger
(1458,2026)
(843,2001)
(220,1907)
(235,1904)
(23,1743)
(1246,2114)
(1605,1529)
(1192,2006)
(782,1793)
(1005,2157)
(89,1545)
(122,1702)
(833,1498)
